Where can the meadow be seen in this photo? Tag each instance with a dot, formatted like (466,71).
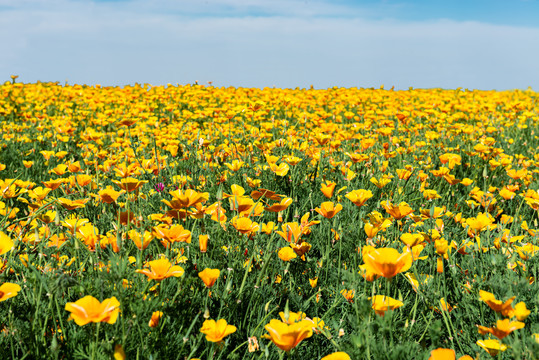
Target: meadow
(197,222)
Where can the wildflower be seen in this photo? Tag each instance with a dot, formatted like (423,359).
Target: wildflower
(380,183)
(216,331)
(281,169)
(291,232)
(397,211)
(411,240)
(72,204)
(492,346)
(348,294)
(109,195)
(282,205)
(8,290)
(442,354)
(328,188)
(382,303)
(244,225)
(203,243)
(6,244)
(172,234)
(253,344)
(328,209)
(154,320)
(285,336)
(287,254)
(141,241)
(339,355)
(119,353)
(387,262)
(89,309)
(359,197)
(161,269)
(130,184)
(502,328)
(209,276)
(159,187)
(521,312)
(504,308)
(293,317)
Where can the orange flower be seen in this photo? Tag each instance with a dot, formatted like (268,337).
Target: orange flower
(161,269)
(8,290)
(209,276)
(328,209)
(502,328)
(172,234)
(244,225)
(203,242)
(130,184)
(328,188)
(442,354)
(339,355)
(184,199)
(397,211)
(387,262)
(292,232)
(72,204)
(156,317)
(280,206)
(215,331)
(286,254)
(504,308)
(140,241)
(285,336)
(359,197)
(89,309)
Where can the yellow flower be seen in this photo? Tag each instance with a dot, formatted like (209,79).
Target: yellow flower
(209,276)
(8,290)
(109,195)
(215,331)
(285,336)
(161,269)
(89,309)
(382,303)
(397,211)
(328,188)
(521,312)
(6,244)
(359,197)
(339,355)
(492,346)
(387,262)
(281,169)
(119,353)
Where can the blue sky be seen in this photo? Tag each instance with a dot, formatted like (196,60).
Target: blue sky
(276,43)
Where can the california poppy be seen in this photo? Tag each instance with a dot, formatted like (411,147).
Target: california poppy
(89,309)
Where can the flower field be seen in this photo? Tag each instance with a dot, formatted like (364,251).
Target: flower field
(196,222)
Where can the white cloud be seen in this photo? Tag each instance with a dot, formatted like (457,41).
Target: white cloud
(156,42)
